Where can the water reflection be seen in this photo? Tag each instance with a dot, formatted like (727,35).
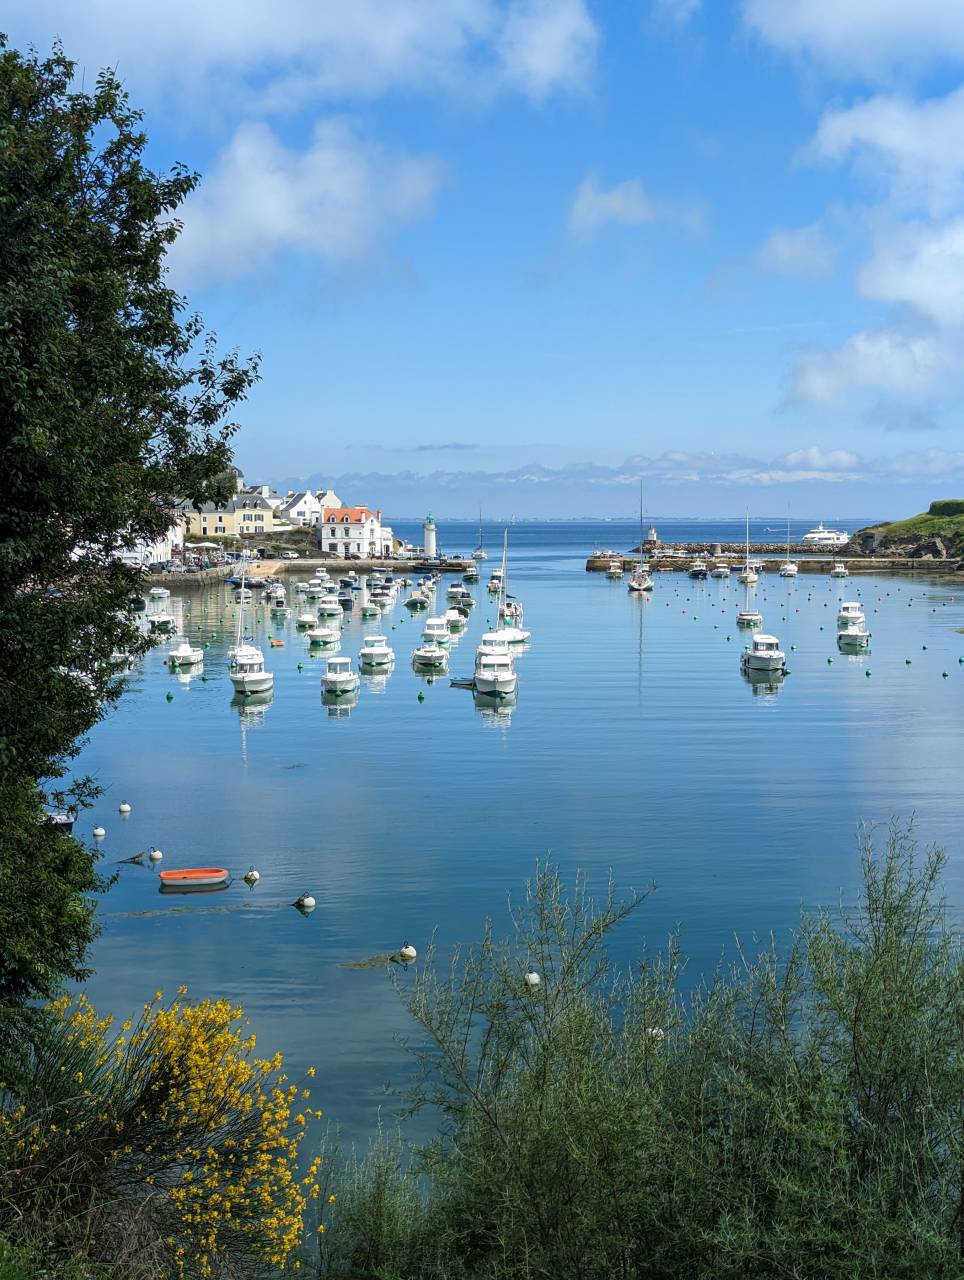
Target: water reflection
(495,709)
(340,705)
(252,707)
(375,678)
(765,684)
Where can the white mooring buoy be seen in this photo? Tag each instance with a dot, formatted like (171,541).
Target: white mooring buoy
(123,808)
(407,952)
(305,903)
(155,855)
(251,876)
(99,833)
(532,979)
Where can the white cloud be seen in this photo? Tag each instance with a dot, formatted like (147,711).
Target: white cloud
(546,45)
(335,201)
(886,359)
(870,37)
(282,56)
(920,266)
(801,251)
(915,150)
(626,204)
(676,13)
(814,458)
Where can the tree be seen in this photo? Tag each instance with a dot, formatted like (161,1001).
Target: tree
(114,405)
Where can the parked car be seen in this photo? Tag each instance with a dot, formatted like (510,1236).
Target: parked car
(290,555)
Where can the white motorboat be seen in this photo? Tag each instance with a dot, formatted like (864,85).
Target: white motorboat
(492,642)
(614,569)
(853,636)
(471,573)
(516,635)
(456,593)
(242,596)
(370,609)
(512,633)
(301,588)
(162,622)
(495,582)
(376,652)
(430,657)
(185,655)
(512,611)
(417,600)
(849,614)
(436,631)
(698,570)
(454,620)
(159,593)
(323,635)
(248,674)
(307,619)
(763,653)
(339,678)
(821,537)
(329,606)
(749,617)
(495,674)
(316,588)
(720,570)
(838,570)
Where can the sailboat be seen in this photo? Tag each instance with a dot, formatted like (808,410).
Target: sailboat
(640,579)
(505,624)
(788,569)
(247,672)
(479,553)
(748,573)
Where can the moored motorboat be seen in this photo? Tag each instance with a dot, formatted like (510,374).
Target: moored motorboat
(430,657)
(763,653)
(162,622)
(323,635)
(838,570)
(308,619)
(495,674)
(436,631)
(339,678)
(248,674)
(853,636)
(698,570)
(185,655)
(158,593)
(376,652)
(720,570)
(849,614)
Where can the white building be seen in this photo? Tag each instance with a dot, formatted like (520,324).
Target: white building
(356,531)
(328,498)
(169,547)
(301,508)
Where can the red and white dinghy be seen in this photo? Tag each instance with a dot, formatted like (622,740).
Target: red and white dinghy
(194,878)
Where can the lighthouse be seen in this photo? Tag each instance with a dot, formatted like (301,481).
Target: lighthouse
(429,539)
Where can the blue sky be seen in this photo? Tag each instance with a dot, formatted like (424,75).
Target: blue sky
(522,252)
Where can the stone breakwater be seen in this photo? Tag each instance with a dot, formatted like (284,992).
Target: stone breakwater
(772,555)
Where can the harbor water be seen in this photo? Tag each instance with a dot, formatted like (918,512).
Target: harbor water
(635,746)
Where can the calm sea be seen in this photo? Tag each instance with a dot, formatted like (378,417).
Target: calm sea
(635,745)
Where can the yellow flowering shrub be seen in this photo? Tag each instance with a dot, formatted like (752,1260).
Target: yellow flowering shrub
(174,1119)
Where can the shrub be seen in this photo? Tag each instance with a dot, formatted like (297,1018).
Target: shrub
(166,1148)
(799,1116)
(946,507)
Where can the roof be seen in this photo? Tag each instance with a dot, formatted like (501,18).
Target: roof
(243,502)
(297,498)
(355,515)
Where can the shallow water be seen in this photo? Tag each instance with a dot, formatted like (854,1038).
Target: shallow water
(635,744)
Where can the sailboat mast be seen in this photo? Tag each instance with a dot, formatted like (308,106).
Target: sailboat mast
(244,564)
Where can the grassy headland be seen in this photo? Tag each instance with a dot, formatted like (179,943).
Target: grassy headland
(937,532)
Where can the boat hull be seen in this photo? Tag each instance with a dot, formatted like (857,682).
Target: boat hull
(251,681)
(194,878)
(497,686)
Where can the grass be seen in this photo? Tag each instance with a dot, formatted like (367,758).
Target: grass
(20,1262)
(939,523)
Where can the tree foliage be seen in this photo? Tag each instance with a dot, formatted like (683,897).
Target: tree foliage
(113,404)
(799,1117)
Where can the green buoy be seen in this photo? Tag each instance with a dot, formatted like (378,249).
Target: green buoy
(169,696)
(421,696)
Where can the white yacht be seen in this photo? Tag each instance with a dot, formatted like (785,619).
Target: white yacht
(185,655)
(720,570)
(376,652)
(436,631)
(821,537)
(763,653)
(749,617)
(492,642)
(747,575)
(614,569)
(495,674)
(323,635)
(242,596)
(248,674)
(479,552)
(329,606)
(495,582)
(849,613)
(854,635)
(162,622)
(640,579)
(838,570)
(789,568)
(307,619)
(418,600)
(454,620)
(512,611)
(316,588)
(370,609)
(430,657)
(158,593)
(339,677)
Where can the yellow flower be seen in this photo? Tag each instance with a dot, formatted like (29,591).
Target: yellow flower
(331,1199)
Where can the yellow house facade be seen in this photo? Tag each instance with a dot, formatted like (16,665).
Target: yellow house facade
(241,517)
